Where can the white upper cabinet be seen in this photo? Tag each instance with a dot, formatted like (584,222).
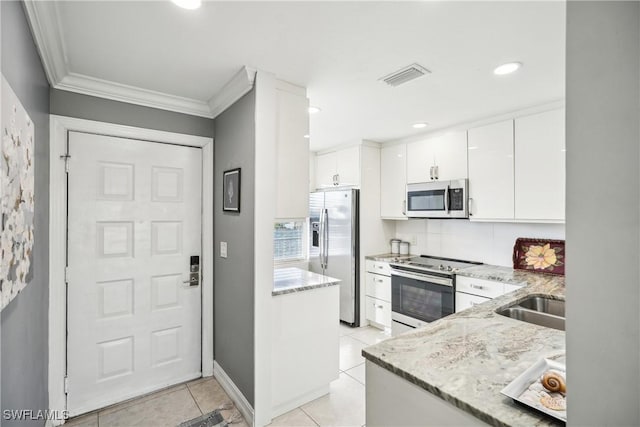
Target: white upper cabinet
(491,175)
(540,166)
(325,169)
(338,168)
(393,181)
(348,166)
(292,189)
(442,157)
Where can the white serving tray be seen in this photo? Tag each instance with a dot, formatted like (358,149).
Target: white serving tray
(518,386)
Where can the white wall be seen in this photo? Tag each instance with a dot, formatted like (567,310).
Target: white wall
(490,243)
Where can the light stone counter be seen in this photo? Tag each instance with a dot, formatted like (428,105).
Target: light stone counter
(290,279)
(389,257)
(468,357)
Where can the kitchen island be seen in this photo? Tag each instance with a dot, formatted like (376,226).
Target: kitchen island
(305,337)
(451,371)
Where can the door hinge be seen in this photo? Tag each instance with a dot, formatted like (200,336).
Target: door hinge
(66,274)
(66,384)
(66,158)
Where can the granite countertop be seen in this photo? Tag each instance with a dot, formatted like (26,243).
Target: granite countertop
(290,279)
(501,274)
(468,357)
(389,257)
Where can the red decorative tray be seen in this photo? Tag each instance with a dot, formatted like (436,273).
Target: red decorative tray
(539,255)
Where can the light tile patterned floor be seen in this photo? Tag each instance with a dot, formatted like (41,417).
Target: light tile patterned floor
(168,407)
(343,406)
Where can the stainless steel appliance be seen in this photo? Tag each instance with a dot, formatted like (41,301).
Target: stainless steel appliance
(422,290)
(334,245)
(438,199)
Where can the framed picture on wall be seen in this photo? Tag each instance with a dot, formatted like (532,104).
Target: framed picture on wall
(231,190)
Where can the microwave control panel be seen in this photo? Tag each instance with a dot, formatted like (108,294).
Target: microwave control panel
(457,199)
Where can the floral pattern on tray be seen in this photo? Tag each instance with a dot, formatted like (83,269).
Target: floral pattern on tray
(539,255)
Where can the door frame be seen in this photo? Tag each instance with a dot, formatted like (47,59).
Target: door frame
(60,126)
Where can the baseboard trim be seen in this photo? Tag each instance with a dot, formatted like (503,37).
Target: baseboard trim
(285,407)
(234,393)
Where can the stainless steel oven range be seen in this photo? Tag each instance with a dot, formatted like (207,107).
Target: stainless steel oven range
(422,290)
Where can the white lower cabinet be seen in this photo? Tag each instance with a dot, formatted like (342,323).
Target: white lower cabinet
(471,291)
(378,294)
(378,311)
(464,301)
(379,286)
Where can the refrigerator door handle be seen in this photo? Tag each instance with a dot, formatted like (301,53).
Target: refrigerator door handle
(321,239)
(325,245)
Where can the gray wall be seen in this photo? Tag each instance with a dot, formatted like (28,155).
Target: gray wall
(234,276)
(71,104)
(24,321)
(603,216)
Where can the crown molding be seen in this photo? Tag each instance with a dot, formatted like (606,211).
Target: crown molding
(87,85)
(236,88)
(44,20)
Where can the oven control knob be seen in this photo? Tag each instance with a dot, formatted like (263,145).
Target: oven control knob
(441,267)
(449,268)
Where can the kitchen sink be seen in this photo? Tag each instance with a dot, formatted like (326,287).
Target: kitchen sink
(538,310)
(544,305)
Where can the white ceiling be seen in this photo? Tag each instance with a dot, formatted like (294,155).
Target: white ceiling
(337,50)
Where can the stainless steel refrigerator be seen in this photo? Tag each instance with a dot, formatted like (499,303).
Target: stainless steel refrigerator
(333,245)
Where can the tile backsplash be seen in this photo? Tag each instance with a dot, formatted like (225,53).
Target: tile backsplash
(491,243)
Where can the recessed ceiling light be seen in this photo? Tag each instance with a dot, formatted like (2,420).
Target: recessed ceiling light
(507,68)
(313,110)
(188,4)
(306,136)
(419,125)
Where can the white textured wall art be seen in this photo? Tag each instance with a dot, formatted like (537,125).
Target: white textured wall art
(16,195)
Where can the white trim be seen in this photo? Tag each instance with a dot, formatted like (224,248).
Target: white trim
(299,401)
(234,89)
(44,20)
(207,259)
(464,126)
(59,127)
(291,88)
(100,88)
(241,402)
(264,216)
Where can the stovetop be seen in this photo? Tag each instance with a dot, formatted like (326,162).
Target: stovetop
(434,264)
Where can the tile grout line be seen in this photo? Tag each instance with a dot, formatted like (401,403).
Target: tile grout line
(310,417)
(194,400)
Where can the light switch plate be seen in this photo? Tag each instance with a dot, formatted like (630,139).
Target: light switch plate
(223,249)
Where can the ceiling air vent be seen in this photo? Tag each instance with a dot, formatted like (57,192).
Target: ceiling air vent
(405,74)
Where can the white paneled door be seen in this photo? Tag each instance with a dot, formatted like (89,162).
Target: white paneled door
(134,221)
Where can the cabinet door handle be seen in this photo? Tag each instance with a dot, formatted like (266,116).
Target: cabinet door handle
(379,280)
(431,172)
(476,287)
(404,207)
(470,204)
(435,172)
(379,306)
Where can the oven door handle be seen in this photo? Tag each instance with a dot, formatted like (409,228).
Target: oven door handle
(422,277)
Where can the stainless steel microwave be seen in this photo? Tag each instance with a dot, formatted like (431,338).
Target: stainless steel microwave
(439,199)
